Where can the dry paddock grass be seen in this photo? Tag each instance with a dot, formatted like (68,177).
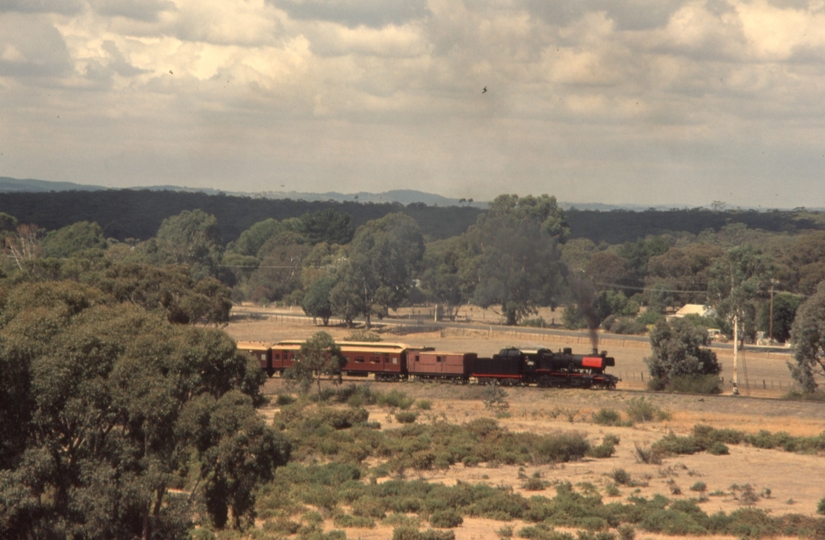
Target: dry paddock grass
(796,482)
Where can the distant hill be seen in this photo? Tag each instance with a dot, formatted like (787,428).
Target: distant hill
(29,185)
(403,196)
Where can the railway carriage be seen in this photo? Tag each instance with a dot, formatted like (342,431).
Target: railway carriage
(399,362)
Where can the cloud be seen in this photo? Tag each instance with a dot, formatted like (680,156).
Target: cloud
(32,48)
(63,7)
(628,15)
(140,10)
(354,13)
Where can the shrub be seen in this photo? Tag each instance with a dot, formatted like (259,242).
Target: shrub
(560,447)
(606,449)
(410,533)
(284,399)
(621,476)
(538,322)
(607,417)
(363,335)
(626,532)
(820,508)
(406,417)
(699,384)
(650,317)
(650,455)
(424,404)
(718,449)
(641,410)
(627,325)
(446,519)
(701,487)
(395,398)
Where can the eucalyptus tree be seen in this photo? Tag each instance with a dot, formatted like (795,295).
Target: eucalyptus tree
(382,261)
(735,281)
(516,262)
(122,425)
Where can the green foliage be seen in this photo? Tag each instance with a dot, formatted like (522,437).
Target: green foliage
(621,476)
(316,300)
(572,318)
(363,335)
(424,404)
(607,417)
(641,410)
(808,340)
(820,507)
(650,317)
(72,239)
(494,397)
(626,325)
(516,258)
(734,282)
(190,238)
(319,357)
(785,306)
(410,533)
(538,322)
(329,225)
(406,417)
(445,278)
(679,349)
(447,518)
(382,259)
(700,384)
(134,408)
(395,398)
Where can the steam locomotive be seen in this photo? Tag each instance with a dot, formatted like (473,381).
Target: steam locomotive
(400,362)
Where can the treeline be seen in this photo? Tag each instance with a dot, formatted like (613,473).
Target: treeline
(137,214)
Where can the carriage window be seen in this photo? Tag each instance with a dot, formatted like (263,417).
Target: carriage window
(439,359)
(375,359)
(394,360)
(263,356)
(359,359)
(277,356)
(416,358)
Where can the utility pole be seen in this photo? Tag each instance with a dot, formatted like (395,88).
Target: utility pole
(770,325)
(735,353)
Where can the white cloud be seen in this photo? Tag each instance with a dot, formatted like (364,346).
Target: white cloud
(584,98)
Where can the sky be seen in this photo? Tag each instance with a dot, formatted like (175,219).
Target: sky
(612,101)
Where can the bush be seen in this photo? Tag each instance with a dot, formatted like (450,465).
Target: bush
(649,317)
(820,508)
(626,532)
(640,410)
(700,384)
(395,398)
(627,325)
(621,476)
(718,449)
(701,487)
(424,404)
(650,455)
(560,447)
(406,417)
(538,322)
(411,533)
(607,417)
(446,519)
(363,335)
(284,399)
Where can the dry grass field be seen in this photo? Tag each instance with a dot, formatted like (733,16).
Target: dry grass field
(784,482)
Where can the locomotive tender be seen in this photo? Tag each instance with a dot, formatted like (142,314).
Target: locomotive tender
(400,362)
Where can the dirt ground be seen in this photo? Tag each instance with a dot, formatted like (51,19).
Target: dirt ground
(786,482)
